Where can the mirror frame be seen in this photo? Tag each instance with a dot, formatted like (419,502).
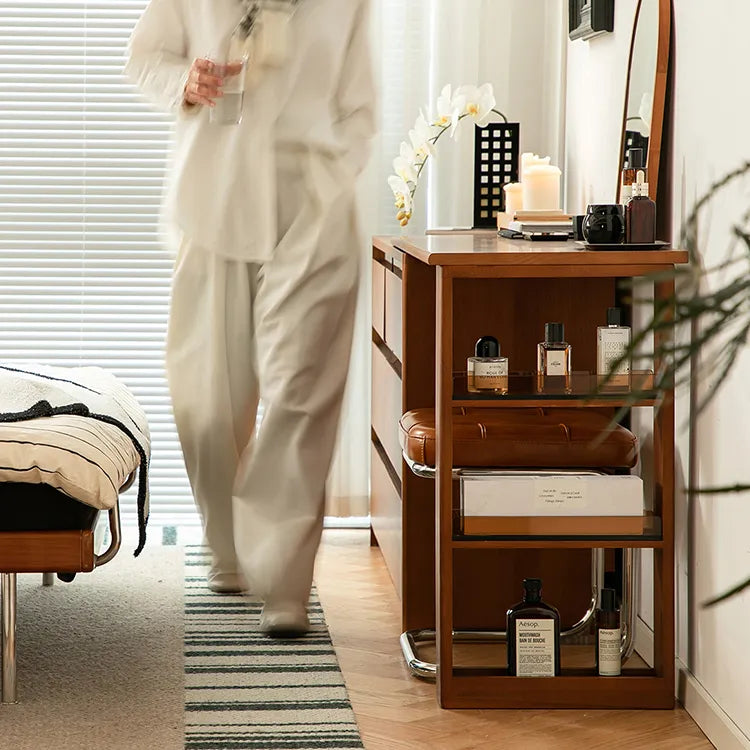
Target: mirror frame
(660,95)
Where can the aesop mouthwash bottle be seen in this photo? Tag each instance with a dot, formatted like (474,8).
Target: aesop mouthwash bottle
(533,631)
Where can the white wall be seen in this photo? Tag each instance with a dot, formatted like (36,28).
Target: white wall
(596,83)
(710,138)
(514,44)
(706,94)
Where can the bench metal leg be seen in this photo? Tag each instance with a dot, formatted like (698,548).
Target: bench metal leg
(8,639)
(48,579)
(428,671)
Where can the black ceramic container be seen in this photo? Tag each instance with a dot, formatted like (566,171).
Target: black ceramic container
(604,223)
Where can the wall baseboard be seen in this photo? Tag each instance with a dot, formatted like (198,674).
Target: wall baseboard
(350,522)
(713,721)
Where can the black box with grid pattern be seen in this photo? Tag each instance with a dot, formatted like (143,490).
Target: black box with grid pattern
(496,158)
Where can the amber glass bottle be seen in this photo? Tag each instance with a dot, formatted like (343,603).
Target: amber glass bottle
(640,215)
(635,162)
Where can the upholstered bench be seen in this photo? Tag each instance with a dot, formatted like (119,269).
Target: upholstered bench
(513,441)
(71,440)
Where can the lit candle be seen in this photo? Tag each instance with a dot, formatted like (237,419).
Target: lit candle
(541,188)
(531,160)
(513,198)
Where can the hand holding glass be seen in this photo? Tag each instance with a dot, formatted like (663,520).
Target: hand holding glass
(227,109)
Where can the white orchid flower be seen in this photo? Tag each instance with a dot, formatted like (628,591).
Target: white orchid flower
(405,169)
(402,192)
(407,152)
(403,196)
(478,102)
(449,109)
(421,136)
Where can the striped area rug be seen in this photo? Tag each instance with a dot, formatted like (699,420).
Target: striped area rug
(246,690)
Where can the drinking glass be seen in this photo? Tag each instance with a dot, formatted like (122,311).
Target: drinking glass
(228,108)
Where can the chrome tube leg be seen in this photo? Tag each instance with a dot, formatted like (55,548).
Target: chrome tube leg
(115,541)
(597,582)
(427,670)
(419,668)
(629,605)
(8,586)
(48,579)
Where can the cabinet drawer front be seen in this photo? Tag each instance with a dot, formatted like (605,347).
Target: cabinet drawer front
(378,298)
(386,406)
(385,514)
(393,307)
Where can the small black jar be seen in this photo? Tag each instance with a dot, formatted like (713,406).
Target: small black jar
(604,224)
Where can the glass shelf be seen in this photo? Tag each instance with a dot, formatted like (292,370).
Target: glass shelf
(486,654)
(580,386)
(651,536)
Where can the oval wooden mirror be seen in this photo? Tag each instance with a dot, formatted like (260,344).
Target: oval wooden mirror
(645,96)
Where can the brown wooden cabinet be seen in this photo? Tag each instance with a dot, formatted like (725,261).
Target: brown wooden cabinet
(439,294)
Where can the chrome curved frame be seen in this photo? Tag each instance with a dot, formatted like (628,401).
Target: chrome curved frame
(410,639)
(115,530)
(115,542)
(8,603)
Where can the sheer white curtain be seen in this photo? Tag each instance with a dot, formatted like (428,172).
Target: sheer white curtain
(83,277)
(418,47)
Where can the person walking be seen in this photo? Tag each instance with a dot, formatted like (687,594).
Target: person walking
(260,213)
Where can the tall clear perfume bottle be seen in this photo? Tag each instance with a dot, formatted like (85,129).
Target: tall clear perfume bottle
(554,360)
(487,371)
(533,634)
(612,342)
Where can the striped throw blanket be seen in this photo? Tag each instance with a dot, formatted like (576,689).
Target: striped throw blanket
(77,429)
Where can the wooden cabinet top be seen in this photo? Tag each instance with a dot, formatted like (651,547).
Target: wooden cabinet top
(491,250)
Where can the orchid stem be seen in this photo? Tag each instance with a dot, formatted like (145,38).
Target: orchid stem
(437,138)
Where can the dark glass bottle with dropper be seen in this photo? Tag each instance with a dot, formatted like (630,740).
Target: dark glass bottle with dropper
(533,633)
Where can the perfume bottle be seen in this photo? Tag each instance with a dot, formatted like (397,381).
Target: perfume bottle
(634,162)
(533,634)
(487,371)
(553,359)
(608,636)
(640,215)
(612,341)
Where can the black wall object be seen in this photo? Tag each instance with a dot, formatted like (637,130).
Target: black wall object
(496,157)
(590,18)
(633,139)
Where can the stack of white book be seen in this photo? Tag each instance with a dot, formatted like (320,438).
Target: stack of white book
(536,222)
(551,503)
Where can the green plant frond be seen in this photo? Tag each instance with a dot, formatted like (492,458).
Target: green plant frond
(738,589)
(718,321)
(689,230)
(727,490)
(744,238)
(727,363)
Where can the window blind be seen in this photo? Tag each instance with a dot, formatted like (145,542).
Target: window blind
(84,279)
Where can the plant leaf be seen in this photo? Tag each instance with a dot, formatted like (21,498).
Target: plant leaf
(738,589)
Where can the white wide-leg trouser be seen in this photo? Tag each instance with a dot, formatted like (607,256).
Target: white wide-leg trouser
(280,331)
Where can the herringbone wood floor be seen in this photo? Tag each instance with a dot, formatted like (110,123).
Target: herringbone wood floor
(398,712)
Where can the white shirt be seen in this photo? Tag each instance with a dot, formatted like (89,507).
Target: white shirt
(222,191)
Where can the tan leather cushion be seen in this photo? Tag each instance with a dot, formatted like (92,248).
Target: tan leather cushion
(523,438)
